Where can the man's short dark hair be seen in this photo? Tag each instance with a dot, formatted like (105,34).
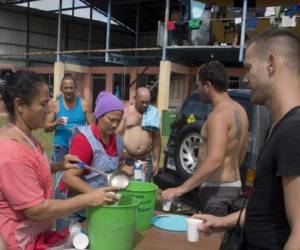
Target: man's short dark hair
(281,41)
(69,77)
(215,73)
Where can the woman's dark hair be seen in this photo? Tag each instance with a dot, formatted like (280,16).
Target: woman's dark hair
(21,84)
(215,73)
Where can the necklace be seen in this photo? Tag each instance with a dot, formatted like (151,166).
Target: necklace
(30,142)
(23,135)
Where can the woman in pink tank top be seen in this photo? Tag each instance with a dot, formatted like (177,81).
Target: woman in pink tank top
(27,210)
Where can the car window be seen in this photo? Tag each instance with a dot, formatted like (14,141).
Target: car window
(194,105)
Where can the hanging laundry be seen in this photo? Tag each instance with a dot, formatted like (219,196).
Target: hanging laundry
(194,24)
(278,11)
(287,21)
(171,25)
(272,20)
(251,23)
(291,11)
(270,11)
(237,20)
(197,9)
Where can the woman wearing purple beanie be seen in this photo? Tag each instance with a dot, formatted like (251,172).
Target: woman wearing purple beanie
(96,145)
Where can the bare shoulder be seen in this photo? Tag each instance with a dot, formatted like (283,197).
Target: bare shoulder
(83,101)
(240,113)
(219,114)
(129,109)
(84,104)
(240,107)
(53,106)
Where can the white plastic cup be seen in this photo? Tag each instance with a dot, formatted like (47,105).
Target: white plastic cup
(192,229)
(65,119)
(118,196)
(79,239)
(166,206)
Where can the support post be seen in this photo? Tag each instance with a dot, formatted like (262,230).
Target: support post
(58,49)
(27,33)
(164,85)
(243,30)
(107,43)
(90,28)
(59,72)
(137,25)
(167,13)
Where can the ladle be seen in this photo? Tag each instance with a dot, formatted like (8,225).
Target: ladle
(118,178)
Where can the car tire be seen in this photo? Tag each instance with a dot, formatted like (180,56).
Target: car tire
(186,149)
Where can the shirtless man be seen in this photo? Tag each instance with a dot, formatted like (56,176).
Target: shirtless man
(139,143)
(225,136)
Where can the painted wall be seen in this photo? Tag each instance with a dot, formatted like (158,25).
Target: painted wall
(85,83)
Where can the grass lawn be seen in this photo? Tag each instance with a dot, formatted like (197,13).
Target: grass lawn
(47,139)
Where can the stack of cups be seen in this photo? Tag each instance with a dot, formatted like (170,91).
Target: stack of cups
(192,229)
(78,238)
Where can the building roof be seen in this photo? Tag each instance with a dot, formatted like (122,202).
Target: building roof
(151,11)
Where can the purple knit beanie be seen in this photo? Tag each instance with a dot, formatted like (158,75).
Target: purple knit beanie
(106,102)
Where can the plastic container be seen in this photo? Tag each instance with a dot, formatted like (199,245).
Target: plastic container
(145,193)
(79,238)
(138,171)
(113,227)
(166,206)
(168,117)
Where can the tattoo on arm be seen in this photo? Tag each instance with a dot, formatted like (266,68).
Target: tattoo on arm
(238,125)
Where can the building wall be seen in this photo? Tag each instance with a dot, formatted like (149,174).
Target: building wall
(43,36)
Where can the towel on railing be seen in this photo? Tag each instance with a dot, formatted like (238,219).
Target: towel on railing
(151,119)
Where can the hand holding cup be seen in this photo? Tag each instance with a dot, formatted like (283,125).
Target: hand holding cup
(192,229)
(63,120)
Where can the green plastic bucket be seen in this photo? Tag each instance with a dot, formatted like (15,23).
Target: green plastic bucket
(113,227)
(145,193)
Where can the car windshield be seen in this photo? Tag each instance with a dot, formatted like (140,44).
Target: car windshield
(194,105)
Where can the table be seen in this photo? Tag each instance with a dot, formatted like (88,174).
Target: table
(158,239)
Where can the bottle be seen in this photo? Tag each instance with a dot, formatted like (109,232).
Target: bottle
(78,237)
(138,171)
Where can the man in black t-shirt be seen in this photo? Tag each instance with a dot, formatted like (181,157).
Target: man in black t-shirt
(272,218)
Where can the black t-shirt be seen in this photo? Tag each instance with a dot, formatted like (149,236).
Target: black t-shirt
(266,225)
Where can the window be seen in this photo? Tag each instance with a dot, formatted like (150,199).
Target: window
(121,86)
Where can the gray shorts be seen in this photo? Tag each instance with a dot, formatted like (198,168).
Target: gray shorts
(217,200)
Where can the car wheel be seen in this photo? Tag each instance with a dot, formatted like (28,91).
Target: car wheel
(186,149)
